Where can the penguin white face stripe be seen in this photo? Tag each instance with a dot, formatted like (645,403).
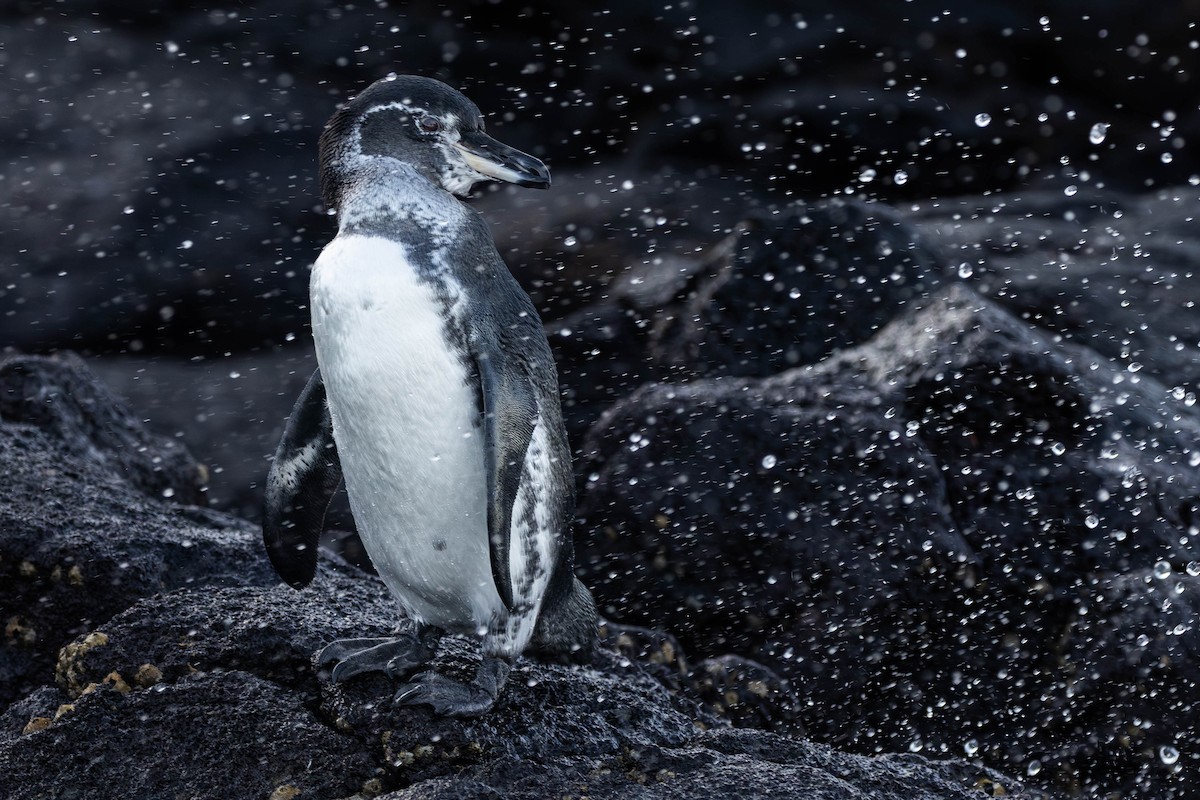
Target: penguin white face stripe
(461,170)
(449,121)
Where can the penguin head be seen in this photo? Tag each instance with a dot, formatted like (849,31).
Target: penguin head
(427,125)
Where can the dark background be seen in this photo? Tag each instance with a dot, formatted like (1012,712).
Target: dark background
(159,207)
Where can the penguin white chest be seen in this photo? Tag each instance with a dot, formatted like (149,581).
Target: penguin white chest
(408,426)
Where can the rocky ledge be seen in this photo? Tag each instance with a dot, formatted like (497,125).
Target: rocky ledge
(149,652)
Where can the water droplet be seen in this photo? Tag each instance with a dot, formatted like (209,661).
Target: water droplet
(1098,132)
(900,178)
(1168,754)
(983,120)
(971,746)
(769,461)
(1166,158)
(1162,570)
(1092,521)
(965,270)
(1071,190)
(1034,767)
(1058,448)
(867,175)
(168,492)
(1193,568)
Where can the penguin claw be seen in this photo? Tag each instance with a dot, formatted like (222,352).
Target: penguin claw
(397,657)
(447,697)
(450,698)
(344,648)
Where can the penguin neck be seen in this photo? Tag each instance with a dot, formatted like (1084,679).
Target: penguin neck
(390,198)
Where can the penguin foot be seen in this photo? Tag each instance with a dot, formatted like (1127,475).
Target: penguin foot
(451,698)
(395,656)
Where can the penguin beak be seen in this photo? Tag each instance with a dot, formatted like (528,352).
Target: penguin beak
(502,163)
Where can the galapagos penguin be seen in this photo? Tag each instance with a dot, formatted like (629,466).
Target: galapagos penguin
(436,400)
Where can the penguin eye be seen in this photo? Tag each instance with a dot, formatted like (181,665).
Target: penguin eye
(429,124)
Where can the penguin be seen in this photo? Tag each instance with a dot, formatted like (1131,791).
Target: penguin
(435,401)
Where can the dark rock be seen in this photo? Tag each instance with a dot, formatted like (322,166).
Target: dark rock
(795,286)
(717,506)
(60,397)
(81,537)
(268,632)
(786,288)
(748,694)
(229,411)
(192,674)
(602,356)
(723,764)
(1129,657)
(980,99)
(608,730)
(656,651)
(32,713)
(207,736)
(1056,460)
(735,690)
(1113,272)
(905,531)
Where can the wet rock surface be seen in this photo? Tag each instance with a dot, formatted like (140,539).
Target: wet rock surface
(793,287)
(1109,270)
(60,398)
(86,497)
(784,288)
(207,736)
(910,532)
(194,675)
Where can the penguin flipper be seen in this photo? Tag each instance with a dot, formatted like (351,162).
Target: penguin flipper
(303,478)
(510,410)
